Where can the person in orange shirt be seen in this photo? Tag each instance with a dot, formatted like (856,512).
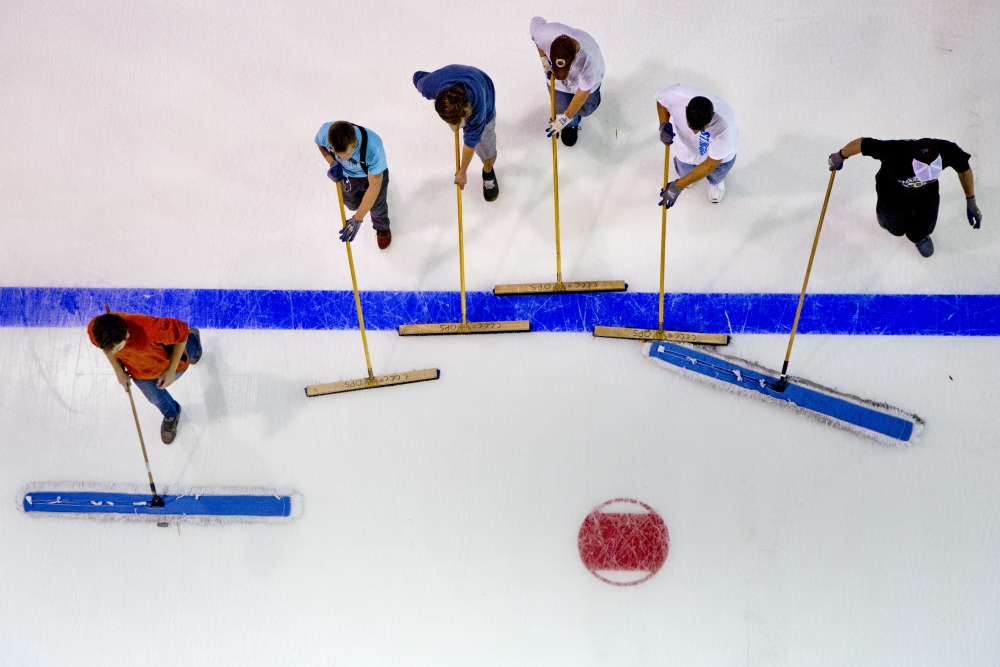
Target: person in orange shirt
(152,351)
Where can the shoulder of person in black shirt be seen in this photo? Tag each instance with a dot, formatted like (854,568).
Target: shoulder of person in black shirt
(902,150)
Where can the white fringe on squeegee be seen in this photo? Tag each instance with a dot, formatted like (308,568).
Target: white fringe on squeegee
(294,497)
(747,378)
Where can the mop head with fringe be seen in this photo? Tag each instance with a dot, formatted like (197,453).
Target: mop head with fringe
(131,502)
(878,421)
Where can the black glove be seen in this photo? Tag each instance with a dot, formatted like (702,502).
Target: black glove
(350,230)
(836,161)
(667,134)
(670,195)
(973,212)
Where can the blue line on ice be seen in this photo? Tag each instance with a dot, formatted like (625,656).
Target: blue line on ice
(852,314)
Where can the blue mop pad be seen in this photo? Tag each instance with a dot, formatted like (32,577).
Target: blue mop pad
(878,421)
(121,502)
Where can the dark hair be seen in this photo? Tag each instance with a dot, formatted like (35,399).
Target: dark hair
(700,112)
(563,48)
(450,104)
(109,330)
(341,136)
(925,150)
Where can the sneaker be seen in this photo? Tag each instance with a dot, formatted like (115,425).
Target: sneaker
(716,192)
(926,246)
(384,238)
(168,429)
(491,188)
(196,358)
(569,135)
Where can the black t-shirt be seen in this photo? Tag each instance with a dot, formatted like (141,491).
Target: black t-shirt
(895,180)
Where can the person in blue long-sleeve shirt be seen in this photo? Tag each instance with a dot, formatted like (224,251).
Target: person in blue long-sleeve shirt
(464,96)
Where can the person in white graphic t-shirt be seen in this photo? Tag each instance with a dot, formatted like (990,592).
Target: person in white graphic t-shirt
(705,138)
(573,58)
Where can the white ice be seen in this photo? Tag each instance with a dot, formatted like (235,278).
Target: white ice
(170,145)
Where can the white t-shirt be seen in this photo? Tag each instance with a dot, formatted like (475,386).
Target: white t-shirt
(587,70)
(718,141)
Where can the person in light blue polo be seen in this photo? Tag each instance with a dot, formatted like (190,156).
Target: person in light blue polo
(357,161)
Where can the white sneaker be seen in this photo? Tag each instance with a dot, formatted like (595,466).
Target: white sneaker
(716,192)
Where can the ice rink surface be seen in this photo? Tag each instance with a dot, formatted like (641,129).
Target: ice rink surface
(169,145)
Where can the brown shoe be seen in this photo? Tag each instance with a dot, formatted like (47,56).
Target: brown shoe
(168,429)
(384,238)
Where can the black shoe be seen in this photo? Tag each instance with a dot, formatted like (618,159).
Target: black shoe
(168,429)
(197,357)
(491,187)
(569,135)
(926,246)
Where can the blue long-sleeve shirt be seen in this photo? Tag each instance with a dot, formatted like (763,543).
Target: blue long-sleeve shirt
(478,86)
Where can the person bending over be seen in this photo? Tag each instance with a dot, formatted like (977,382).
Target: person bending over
(705,137)
(573,58)
(464,97)
(357,161)
(152,351)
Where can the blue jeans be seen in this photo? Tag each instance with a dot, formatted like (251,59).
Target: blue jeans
(716,177)
(161,398)
(589,107)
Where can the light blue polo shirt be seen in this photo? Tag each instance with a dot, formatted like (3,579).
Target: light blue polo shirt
(352,167)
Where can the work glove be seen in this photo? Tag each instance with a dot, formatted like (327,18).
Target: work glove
(350,230)
(336,172)
(546,66)
(973,212)
(558,125)
(667,134)
(836,161)
(670,195)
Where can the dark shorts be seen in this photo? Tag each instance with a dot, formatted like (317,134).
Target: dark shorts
(914,219)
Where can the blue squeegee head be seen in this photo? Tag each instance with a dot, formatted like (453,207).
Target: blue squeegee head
(120,502)
(879,421)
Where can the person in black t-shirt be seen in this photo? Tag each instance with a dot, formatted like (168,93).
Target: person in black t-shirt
(907,184)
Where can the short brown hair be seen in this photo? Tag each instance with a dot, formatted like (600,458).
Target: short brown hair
(341,136)
(109,330)
(700,112)
(450,104)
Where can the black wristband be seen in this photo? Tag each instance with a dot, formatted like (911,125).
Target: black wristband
(842,156)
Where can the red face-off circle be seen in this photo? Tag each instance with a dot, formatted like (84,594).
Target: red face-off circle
(623,542)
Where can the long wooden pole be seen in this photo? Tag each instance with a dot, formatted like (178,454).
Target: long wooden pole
(354,283)
(461,236)
(783,380)
(157,501)
(663,236)
(555,179)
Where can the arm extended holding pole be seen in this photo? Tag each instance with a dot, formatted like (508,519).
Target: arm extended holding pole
(782,382)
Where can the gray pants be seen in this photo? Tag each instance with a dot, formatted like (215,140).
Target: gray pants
(354,191)
(486,149)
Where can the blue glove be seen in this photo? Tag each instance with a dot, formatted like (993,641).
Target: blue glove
(670,195)
(836,161)
(546,67)
(350,230)
(667,134)
(336,172)
(973,212)
(558,125)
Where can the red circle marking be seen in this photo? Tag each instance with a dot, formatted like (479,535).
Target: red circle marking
(629,542)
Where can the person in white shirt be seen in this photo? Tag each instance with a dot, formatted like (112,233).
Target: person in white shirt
(573,58)
(705,138)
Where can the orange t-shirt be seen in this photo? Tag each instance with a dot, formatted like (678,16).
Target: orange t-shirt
(144,354)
